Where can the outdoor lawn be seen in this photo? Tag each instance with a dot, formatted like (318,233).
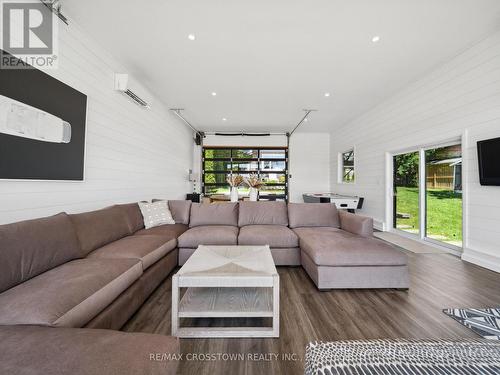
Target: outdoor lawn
(444,213)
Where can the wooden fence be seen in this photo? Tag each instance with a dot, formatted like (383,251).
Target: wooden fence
(440,176)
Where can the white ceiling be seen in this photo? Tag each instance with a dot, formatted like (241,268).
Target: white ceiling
(269,59)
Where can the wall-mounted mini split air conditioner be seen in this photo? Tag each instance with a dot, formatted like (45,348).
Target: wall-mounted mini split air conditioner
(22,120)
(122,84)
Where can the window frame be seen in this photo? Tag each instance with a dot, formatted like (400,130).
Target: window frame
(341,167)
(258,171)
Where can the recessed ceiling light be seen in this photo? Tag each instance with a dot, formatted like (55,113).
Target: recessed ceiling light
(224,119)
(305,120)
(191,37)
(214,93)
(375,39)
(327,94)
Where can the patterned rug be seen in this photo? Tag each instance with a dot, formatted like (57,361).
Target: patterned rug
(484,322)
(408,357)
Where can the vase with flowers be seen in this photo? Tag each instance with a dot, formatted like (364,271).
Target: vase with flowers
(254,183)
(234,180)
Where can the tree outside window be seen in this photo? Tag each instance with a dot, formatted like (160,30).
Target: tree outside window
(347,168)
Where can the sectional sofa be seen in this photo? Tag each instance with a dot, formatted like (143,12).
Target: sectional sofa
(94,270)
(88,270)
(336,248)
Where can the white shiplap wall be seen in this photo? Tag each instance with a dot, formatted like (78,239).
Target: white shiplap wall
(459,99)
(131,153)
(309,164)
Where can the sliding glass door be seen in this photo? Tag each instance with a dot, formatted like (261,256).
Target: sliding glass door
(443,194)
(428,194)
(406,192)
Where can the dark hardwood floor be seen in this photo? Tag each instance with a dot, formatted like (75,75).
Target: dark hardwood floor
(437,281)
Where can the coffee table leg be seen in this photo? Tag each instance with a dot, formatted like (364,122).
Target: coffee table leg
(276,306)
(175,304)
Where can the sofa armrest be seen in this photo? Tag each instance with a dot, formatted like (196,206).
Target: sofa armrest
(360,225)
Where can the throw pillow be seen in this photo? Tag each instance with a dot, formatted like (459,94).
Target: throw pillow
(155,214)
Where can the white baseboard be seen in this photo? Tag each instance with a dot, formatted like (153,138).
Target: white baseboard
(481,259)
(476,257)
(379,225)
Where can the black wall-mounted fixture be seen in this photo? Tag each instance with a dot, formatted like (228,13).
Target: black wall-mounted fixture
(198,138)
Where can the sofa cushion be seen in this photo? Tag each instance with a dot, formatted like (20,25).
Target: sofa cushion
(168,231)
(341,249)
(209,235)
(155,214)
(313,215)
(69,295)
(213,214)
(133,215)
(272,235)
(29,350)
(262,213)
(180,211)
(98,228)
(148,249)
(28,248)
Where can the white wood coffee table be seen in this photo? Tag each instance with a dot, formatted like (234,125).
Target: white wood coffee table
(227,282)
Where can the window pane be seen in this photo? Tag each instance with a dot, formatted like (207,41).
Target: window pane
(216,190)
(347,168)
(212,178)
(348,174)
(245,154)
(348,158)
(406,192)
(272,154)
(273,178)
(247,166)
(268,190)
(239,161)
(217,165)
(272,165)
(443,169)
(217,153)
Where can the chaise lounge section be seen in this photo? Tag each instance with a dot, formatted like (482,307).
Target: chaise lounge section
(338,250)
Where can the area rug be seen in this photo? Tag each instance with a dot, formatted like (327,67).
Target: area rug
(484,322)
(408,357)
(408,243)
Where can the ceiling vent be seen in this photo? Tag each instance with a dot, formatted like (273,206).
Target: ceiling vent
(122,84)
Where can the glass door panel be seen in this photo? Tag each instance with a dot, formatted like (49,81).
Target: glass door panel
(406,192)
(443,170)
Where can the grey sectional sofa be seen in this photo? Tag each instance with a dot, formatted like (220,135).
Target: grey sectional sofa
(336,248)
(92,270)
(95,269)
